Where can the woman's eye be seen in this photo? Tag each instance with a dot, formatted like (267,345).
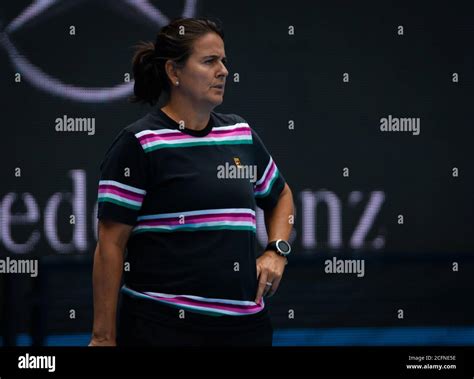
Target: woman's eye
(212,60)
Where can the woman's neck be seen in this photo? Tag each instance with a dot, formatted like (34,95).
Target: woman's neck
(195,119)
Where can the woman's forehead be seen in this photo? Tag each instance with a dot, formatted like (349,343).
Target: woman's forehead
(209,44)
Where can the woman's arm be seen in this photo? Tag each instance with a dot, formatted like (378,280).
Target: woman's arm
(270,265)
(106,278)
(277,221)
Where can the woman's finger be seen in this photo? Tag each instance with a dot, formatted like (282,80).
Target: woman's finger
(262,283)
(276,283)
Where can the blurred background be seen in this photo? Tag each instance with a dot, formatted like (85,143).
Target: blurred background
(314,80)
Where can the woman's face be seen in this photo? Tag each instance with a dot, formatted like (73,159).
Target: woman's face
(203,71)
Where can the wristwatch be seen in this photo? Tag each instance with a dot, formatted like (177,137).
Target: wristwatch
(281,247)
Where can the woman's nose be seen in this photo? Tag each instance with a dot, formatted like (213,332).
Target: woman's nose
(223,70)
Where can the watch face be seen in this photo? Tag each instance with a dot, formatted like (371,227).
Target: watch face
(283,246)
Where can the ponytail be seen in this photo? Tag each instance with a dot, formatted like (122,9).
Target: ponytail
(148,81)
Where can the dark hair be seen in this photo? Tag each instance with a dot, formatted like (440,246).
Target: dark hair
(175,42)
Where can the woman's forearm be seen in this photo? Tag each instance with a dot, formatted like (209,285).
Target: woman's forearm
(106,278)
(279,221)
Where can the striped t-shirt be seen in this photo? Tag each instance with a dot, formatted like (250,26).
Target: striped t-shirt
(190,196)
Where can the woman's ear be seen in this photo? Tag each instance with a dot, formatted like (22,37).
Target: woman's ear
(171,71)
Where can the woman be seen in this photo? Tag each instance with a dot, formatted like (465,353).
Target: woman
(191,276)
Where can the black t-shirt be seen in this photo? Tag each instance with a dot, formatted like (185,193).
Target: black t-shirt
(191,197)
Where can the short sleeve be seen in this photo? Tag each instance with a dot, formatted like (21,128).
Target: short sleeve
(123,180)
(270,181)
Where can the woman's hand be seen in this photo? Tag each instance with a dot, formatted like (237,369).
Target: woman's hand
(270,267)
(102,342)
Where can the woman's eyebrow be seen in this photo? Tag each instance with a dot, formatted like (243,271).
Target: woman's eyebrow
(213,56)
